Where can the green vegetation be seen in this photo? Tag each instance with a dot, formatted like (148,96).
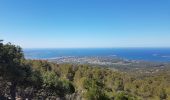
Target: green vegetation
(38,79)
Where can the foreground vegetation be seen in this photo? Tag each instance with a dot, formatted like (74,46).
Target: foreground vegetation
(37,79)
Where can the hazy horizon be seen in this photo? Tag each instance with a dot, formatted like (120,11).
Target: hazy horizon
(106,48)
(86,24)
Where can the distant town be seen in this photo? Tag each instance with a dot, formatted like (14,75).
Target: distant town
(115,63)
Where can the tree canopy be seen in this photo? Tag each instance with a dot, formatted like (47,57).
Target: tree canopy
(40,79)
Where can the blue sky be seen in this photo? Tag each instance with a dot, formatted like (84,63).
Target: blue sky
(85,23)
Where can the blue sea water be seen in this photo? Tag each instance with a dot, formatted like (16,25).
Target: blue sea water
(144,54)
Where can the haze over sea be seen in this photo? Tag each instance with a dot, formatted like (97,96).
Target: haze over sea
(144,54)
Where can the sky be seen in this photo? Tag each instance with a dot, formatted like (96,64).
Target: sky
(85,23)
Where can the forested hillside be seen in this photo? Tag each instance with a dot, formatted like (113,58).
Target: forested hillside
(40,80)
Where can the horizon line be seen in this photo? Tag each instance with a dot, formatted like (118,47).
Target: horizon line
(89,47)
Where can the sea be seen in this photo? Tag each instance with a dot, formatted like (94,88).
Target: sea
(142,54)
